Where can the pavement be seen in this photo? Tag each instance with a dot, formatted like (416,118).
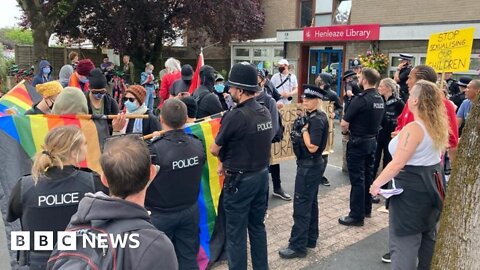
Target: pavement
(339,247)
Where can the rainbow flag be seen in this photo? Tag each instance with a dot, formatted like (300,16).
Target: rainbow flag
(210,189)
(30,130)
(19,99)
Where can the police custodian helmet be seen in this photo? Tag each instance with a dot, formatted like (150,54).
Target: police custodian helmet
(243,76)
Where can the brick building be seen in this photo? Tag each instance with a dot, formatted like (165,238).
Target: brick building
(395,27)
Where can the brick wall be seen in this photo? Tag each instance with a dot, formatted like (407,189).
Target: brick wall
(412,11)
(279,14)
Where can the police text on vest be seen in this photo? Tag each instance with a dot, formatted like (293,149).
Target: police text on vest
(264,126)
(185,163)
(58,199)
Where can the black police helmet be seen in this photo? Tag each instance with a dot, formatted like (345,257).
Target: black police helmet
(243,76)
(326,78)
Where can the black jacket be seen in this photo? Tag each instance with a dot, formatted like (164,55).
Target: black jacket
(207,102)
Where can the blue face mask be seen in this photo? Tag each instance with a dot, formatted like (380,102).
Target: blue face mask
(46,70)
(219,88)
(131,106)
(85,80)
(98,96)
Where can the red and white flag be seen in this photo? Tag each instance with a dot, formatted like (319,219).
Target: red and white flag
(196,74)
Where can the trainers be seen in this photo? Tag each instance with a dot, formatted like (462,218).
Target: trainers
(386,258)
(325,181)
(281,194)
(375,199)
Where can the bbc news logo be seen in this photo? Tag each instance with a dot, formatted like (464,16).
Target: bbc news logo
(44,241)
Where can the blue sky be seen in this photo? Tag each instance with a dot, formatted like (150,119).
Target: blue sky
(10,13)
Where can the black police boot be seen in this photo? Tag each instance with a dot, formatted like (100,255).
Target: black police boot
(349,221)
(288,253)
(375,199)
(325,181)
(278,192)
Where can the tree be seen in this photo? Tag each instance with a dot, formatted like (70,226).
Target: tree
(43,17)
(142,28)
(17,36)
(458,241)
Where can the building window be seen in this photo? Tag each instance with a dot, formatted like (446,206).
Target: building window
(242,52)
(306,13)
(261,56)
(342,14)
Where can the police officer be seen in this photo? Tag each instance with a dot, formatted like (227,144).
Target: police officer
(362,122)
(459,97)
(401,74)
(388,89)
(309,138)
(47,199)
(324,81)
(243,146)
(172,196)
(351,87)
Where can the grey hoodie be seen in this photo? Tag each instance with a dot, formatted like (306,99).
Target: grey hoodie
(155,248)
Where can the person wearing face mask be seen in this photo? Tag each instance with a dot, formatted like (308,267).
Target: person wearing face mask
(147,80)
(79,78)
(97,99)
(285,82)
(135,104)
(44,73)
(220,91)
(49,91)
(180,87)
(208,102)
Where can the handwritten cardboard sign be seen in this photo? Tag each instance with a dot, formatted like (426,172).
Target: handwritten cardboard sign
(450,51)
(283,150)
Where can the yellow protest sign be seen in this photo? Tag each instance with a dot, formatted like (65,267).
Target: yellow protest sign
(450,51)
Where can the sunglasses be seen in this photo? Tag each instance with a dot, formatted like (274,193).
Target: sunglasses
(131,99)
(99,92)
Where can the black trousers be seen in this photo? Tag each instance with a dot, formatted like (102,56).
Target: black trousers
(182,229)
(245,207)
(275,172)
(305,207)
(383,139)
(360,160)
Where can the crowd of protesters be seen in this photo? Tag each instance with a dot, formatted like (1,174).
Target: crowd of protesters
(405,127)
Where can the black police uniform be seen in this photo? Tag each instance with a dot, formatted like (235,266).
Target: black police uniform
(49,204)
(309,174)
(403,76)
(352,86)
(453,87)
(172,196)
(245,137)
(364,115)
(458,99)
(393,108)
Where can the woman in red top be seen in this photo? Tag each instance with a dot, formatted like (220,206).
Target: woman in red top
(173,68)
(424,72)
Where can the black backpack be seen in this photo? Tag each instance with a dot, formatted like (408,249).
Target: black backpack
(90,258)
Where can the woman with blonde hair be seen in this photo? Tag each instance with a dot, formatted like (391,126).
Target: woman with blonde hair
(415,168)
(390,91)
(173,68)
(46,199)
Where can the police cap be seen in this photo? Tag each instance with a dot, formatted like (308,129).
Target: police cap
(311,91)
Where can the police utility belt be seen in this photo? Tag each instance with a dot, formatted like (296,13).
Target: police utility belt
(356,140)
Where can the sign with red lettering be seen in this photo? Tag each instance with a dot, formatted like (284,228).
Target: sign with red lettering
(342,33)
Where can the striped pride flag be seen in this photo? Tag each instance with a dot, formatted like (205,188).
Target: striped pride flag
(210,189)
(20,99)
(30,130)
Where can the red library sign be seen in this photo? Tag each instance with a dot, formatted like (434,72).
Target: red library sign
(342,33)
